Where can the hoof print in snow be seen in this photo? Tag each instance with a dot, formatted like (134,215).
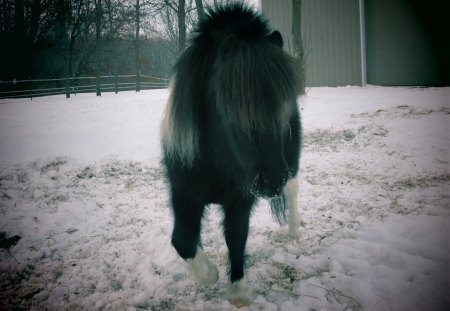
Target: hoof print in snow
(87,173)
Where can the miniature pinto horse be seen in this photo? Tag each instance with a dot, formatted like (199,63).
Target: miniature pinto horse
(231,133)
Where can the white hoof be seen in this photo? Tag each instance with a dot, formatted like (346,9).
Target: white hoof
(294,231)
(204,271)
(238,293)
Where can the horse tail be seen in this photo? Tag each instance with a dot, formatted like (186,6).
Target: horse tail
(279,207)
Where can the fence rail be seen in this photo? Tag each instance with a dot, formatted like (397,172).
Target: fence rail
(74,85)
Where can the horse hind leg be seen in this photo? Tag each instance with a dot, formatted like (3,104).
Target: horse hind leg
(186,240)
(291,192)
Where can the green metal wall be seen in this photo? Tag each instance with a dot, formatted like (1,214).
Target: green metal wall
(381,42)
(331,38)
(407,42)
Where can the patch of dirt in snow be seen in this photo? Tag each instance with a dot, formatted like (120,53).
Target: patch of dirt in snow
(403,111)
(326,140)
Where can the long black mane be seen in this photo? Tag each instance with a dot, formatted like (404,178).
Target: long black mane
(248,80)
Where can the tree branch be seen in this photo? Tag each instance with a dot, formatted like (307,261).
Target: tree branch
(172,5)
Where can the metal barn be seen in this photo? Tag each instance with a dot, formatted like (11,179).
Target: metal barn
(381,42)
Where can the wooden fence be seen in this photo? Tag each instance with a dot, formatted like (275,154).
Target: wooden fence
(74,85)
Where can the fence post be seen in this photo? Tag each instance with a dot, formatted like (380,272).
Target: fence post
(115,82)
(31,87)
(138,81)
(67,87)
(74,85)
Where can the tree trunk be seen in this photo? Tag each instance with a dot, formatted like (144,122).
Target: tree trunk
(181,25)
(114,49)
(136,48)
(98,20)
(68,67)
(19,45)
(62,16)
(299,53)
(34,24)
(200,9)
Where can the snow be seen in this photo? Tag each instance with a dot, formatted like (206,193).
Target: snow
(81,183)
(84,127)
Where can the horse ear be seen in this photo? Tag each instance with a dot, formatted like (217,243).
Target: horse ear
(228,46)
(276,38)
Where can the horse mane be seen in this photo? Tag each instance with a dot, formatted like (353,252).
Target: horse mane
(254,86)
(235,56)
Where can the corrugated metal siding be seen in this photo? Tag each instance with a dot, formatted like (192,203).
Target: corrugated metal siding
(331,38)
(279,14)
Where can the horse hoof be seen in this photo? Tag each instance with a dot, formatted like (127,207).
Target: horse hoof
(204,271)
(294,233)
(239,302)
(238,293)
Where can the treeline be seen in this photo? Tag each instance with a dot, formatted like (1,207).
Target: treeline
(43,39)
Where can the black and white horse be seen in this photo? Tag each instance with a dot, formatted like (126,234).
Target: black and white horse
(231,133)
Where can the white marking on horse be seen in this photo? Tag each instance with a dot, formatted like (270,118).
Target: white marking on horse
(291,191)
(204,271)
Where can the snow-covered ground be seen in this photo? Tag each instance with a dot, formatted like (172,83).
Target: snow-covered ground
(81,183)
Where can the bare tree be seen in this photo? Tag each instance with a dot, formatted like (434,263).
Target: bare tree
(113,39)
(200,9)
(299,53)
(63,11)
(74,19)
(19,36)
(179,8)
(23,24)
(72,38)
(98,27)
(136,48)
